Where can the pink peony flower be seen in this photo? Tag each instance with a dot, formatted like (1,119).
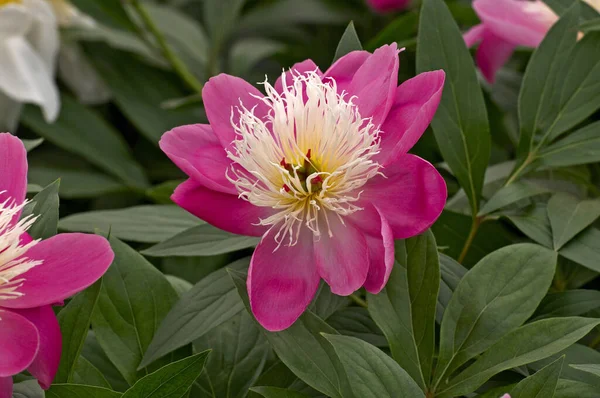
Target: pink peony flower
(506,24)
(389,5)
(319,168)
(34,275)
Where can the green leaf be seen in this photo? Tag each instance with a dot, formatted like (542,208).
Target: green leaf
(584,249)
(326,303)
(82,131)
(80,391)
(44,206)
(348,43)
(208,304)
(356,322)
(28,389)
(451,274)
(85,372)
(512,193)
(147,223)
(221,19)
(529,343)
(269,17)
(173,380)
(592,368)
(75,184)
(201,240)
(575,389)
(460,124)
(134,299)
(404,27)
(576,354)
(541,384)
(496,296)
(535,224)
(405,308)
(540,96)
(568,303)
(95,355)
(304,350)
(569,216)
(592,25)
(127,77)
(275,392)
(32,144)
(74,321)
(247,53)
(392,311)
(371,372)
(180,285)
(107,11)
(239,353)
(581,147)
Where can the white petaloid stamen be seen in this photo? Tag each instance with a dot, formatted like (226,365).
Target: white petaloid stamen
(308,124)
(13,262)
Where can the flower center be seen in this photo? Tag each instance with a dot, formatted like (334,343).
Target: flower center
(13,262)
(307,159)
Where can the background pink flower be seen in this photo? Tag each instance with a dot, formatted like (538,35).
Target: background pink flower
(389,5)
(34,275)
(506,24)
(319,168)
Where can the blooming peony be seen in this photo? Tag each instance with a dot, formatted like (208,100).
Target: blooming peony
(389,5)
(319,168)
(34,275)
(506,24)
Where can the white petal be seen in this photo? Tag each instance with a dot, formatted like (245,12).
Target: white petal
(15,20)
(43,34)
(10,110)
(77,73)
(25,77)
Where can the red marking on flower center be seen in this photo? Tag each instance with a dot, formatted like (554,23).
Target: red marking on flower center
(316,180)
(286,188)
(283,163)
(308,153)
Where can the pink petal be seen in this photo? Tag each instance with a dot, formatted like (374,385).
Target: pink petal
(196,150)
(343,258)
(13,169)
(6,387)
(492,54)
(389,5)
(281,281)
(374,83)
(411,197)
(71,263)
(381,257)
(224,211)
(415,104)
(344,69)
(222,96)
(299,68)
(19,343)
(474,35)
(45,364)
(523,23)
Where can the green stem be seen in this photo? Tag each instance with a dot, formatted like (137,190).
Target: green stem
(169,54)
(474,228)
(359,301)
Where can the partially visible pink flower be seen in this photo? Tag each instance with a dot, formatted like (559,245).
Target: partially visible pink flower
(506,24)
(505,396)
(319,168)
(389,5)
(34,275)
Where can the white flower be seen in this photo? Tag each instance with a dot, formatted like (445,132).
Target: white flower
(29,43)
